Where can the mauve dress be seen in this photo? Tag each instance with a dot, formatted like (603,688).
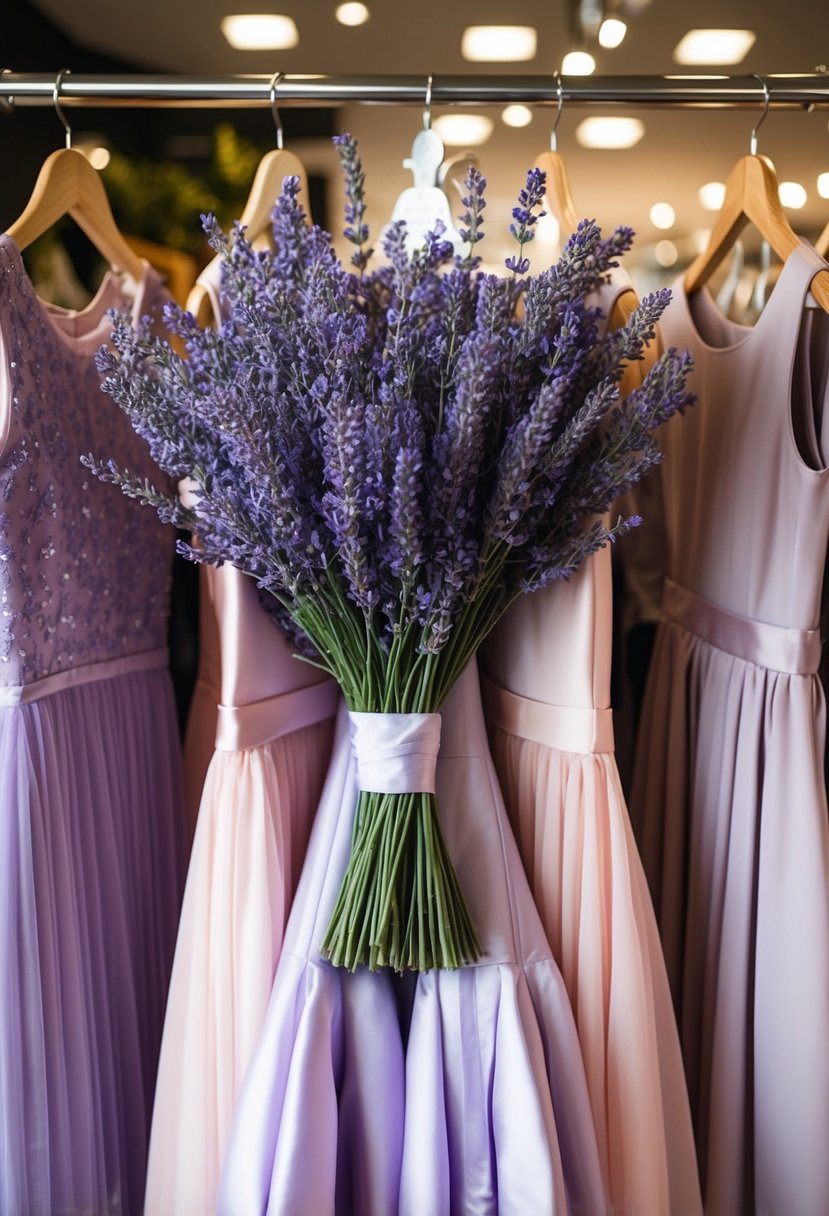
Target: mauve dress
(91,800)
(267,722)
(547,703)
(729,797)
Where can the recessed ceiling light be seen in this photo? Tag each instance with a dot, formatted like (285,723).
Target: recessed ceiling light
(793,195)
(352,13)
(665,253)
(517,116)
(578,63)
(712,195)
(823,185)
(463,130)
(714,46)
(499,43)
(260,31)
(609,132)
(662,215)
(612,33)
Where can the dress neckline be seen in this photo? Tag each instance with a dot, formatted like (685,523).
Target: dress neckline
(702,313)
(85,329)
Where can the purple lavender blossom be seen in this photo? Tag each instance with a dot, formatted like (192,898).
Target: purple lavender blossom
(459,481)
(525,220)
(406,525)
(393,456)
(355,230)
(342,502)
(368,442)
(472,218)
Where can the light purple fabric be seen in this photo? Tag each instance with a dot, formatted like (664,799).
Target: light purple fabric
(445,1092)
(88,907)
(729,797)
(90,774)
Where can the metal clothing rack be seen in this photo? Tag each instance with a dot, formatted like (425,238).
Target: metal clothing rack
(805,92)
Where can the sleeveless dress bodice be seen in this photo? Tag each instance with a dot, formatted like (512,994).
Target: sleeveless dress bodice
(728,794)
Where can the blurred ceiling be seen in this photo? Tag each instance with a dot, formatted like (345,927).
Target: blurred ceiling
(680,150)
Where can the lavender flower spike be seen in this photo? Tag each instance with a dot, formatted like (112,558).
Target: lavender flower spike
(472,218)
(530,197)
(355,230)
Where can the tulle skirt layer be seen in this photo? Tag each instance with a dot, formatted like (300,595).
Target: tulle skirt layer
(90,865)
(251,834)
(574,836)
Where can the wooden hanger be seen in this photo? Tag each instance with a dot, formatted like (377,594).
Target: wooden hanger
(68,185)
(177,267)
(822,243)
(559,198)
(270,174)
(752,196)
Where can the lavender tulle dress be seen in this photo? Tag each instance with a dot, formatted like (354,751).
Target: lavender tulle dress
(729,793)
(90,778)
(448,1092)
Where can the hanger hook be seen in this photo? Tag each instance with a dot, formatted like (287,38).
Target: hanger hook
(56,99)
(427,113)
(6,103)
(560,96)
(276,80)
(766,100)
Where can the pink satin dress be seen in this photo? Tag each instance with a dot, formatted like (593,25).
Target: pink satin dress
(729,791)
(546,682)
(272,732)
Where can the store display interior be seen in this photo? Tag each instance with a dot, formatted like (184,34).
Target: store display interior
(415,803)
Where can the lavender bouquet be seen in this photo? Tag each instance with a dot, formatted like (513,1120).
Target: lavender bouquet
(395,455)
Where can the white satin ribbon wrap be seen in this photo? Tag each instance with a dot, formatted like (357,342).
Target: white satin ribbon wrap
(395,753)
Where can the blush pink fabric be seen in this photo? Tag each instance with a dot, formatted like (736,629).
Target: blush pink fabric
(548,710)
(729,796)
(256,811)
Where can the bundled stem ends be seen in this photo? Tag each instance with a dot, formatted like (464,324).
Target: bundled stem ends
(400,904)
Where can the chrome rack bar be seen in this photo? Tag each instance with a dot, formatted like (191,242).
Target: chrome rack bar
(661,92)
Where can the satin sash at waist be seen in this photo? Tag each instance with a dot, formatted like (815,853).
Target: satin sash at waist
(566,728)
(240,727)
(796,651)
(89,673)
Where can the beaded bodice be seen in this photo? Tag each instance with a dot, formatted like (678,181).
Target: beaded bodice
(84,571)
